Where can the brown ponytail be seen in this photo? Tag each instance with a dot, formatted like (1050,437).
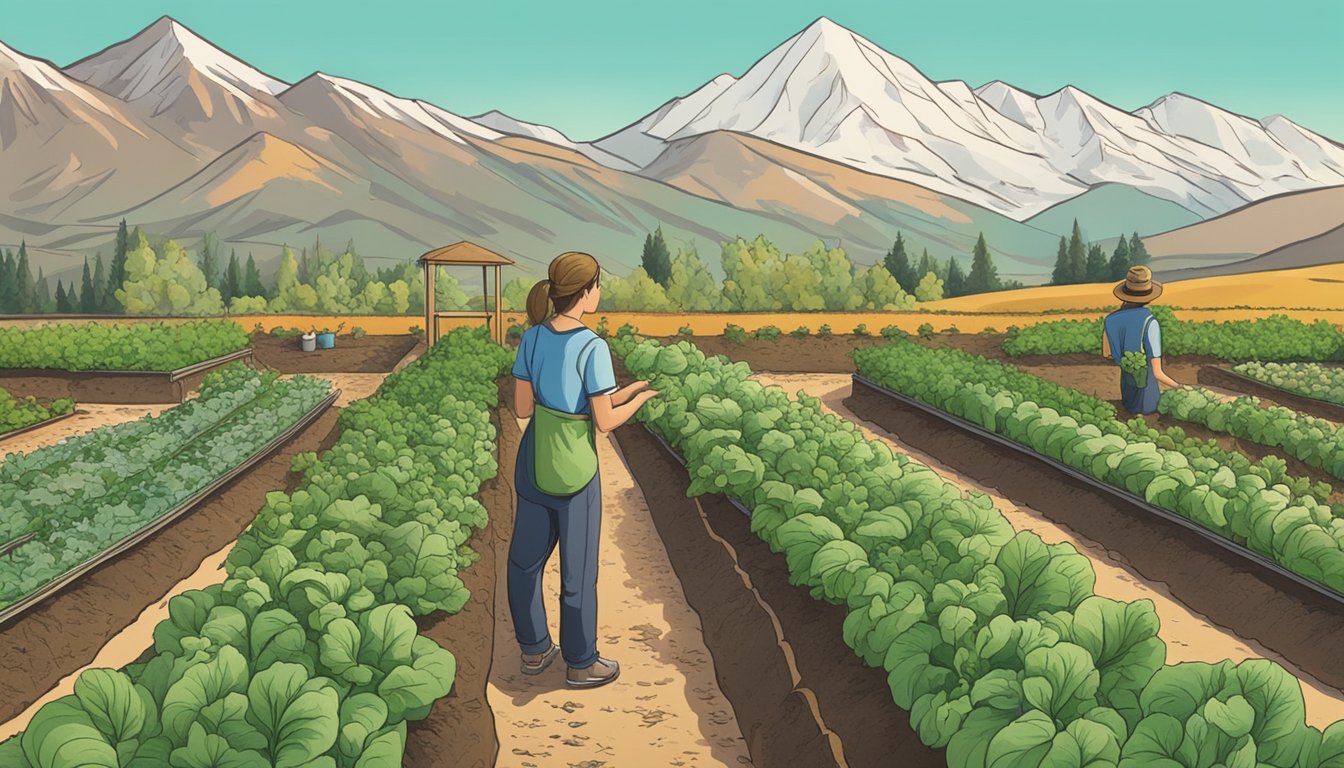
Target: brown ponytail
(570,275)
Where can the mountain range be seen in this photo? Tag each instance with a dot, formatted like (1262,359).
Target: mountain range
(828,136)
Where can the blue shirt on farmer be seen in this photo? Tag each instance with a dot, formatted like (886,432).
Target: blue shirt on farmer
(565,367)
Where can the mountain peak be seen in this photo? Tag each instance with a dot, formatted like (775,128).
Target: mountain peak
(155,65)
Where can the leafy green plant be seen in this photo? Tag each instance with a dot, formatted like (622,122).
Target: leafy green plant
(417,332)
(952,330)
(307,653)
(601,329)
(516,331)
(1221,490)
(892,332)
(281,332)
(767,333)
(1136,365)
(801,332)
(358,332)
(97,346)
(735,333)
(925,331)
(992,639)
(1306,379)
(1274,338)
(17,414)
(685,330)
(86,494)
(861,329)
(824,330)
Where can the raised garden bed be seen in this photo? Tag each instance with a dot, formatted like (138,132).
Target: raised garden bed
(1230,584)
(38,649)
(1218,376)
(118,387)
(34,426)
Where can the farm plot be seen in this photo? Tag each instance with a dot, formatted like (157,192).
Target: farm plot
(1309,388)
(70,506)
(992,639)
(21,415)
(314,620)
(115,363)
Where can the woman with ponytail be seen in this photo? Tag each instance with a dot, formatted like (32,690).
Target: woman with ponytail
(563,382)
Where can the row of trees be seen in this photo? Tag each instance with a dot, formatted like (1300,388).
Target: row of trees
(1080,262)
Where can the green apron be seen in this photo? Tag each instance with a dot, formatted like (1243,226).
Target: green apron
(565,451)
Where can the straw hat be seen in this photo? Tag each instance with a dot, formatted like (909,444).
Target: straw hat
(1139,286)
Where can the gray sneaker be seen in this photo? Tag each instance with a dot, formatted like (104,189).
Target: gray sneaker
(536,664)
(597,674)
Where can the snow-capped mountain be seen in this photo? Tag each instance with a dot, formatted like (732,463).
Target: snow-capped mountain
(830,92)
(168,67)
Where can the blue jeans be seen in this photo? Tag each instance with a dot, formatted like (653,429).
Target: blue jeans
(542,521)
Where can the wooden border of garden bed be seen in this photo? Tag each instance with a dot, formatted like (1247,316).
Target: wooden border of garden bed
(149,529)
(38,425)
(113,387)
(1226,378)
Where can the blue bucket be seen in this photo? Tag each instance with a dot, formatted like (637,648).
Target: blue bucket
(326,340)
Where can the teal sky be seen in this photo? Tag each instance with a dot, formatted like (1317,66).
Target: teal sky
(590,68)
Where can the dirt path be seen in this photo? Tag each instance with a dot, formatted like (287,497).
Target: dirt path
(1189,635)
(88,417)
(666,709)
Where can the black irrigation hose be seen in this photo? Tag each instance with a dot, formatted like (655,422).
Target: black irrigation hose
(17,608)
(1252,557)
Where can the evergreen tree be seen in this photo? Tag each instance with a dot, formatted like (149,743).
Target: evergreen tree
(1098,267)
(1138,253)
(927,265)
(984,276)
(1061,274)
(116,274)
(88,298)
(898,264)
(657,261)
(305,265)
(44,304)
(25,293)
(102,302)
(1119,260)
(252,285)
(1077,256)
(7,283)
(62,301)
(955,284)
(231,285)
(210,259)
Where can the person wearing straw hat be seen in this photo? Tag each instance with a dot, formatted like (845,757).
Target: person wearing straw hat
(1134,328)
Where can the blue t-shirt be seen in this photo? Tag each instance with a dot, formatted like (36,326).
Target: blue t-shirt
(1125,329)
(565,367)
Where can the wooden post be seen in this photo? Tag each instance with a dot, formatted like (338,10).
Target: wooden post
(431,328)
(499,305)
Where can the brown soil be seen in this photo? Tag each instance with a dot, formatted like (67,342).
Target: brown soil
(39,648)
(801,696)
(1188,635)
(371,354)
(460,729)
(92,387)
(1220,376)
(1258,605)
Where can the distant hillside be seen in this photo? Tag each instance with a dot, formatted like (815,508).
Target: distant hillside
(1325,248)
(1111,210)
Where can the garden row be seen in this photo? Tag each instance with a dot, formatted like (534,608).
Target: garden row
(1305,379)
(154,346)
(1274,338)
(308,653)
(17,414)
(992,640)
(1253,505)
(73,501)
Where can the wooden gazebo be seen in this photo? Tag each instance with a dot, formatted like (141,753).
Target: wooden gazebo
(464,254)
